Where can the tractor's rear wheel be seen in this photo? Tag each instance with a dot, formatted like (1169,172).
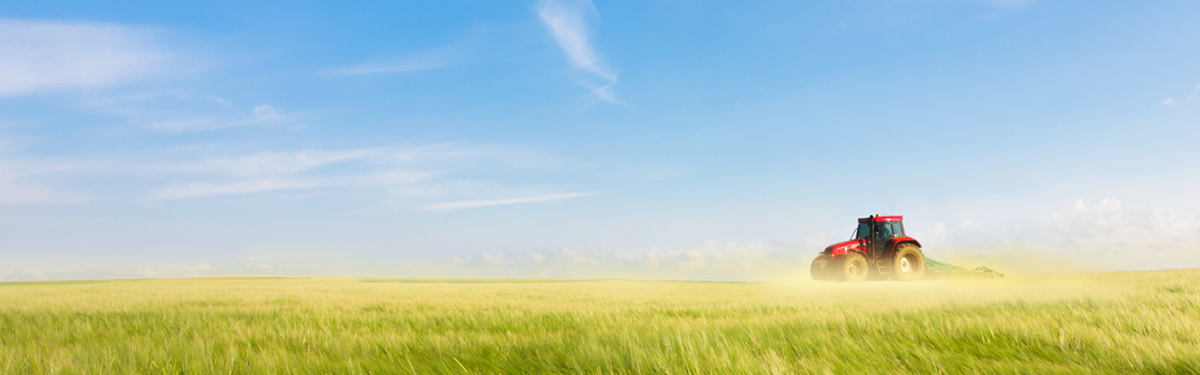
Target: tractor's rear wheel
(908,263)
(854,267)
(818,268)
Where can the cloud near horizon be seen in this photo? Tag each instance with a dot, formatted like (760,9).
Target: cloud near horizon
(713,260)
(37,56)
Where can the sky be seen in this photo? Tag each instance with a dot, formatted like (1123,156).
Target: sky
(573,139)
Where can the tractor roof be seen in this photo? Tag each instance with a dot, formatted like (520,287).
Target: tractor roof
(878,218)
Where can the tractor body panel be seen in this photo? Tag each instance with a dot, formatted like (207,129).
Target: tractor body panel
(841,248)
(891,244)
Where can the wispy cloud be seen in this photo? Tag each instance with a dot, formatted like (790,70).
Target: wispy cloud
(1007,3)
(406,63)
(396,66)
(812,163)
(263,114)
(567,24)
(208,189)
(205,189)
(275,163)
(447,206)
(47,56)
(1172,101)
(391,168)
(409,176)
(20,183)
(1110,221)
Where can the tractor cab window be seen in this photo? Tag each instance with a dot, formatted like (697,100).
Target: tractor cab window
(863,231)
(883,230)
(889,229)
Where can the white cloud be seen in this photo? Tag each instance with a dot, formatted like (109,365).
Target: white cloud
(1170,100)
(263,114)
(1109,220)
(495,260)
(447,206)
(204,189)
(1006,3)
(20,183)
(47,56)
(297,170)
(396,66)
(207,189)
(25,193)
(273,163)
(812,163)
(428,60)
(405,171)
(567,25)
(939,229)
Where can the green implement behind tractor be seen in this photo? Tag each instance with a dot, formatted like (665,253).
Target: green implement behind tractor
(936,269)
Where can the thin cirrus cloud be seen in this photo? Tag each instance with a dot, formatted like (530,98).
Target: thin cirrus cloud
(409,175)
(39,56)
(1172,101)
(206,189)
(394,169)
(263,114)
(385,67)
(275,163)
(459,205)
(566,21)
(1006,3)
(427,60)
(276,171)
(21,183)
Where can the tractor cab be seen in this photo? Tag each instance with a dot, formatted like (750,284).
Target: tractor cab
(877,231)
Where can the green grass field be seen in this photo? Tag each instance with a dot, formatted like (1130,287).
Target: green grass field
(1105,323)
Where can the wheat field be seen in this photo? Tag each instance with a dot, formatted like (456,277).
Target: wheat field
(1146,322)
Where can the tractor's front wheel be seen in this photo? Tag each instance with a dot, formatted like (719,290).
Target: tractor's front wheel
(908,263)
(818,269)
(854,267)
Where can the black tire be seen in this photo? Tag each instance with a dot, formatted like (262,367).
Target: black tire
(853,267)
(908,263)
(820,268)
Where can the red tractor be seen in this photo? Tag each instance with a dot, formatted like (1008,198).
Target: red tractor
(879,250)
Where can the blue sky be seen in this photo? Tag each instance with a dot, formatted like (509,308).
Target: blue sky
(659,139)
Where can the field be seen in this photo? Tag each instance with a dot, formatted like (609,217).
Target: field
(1146,322)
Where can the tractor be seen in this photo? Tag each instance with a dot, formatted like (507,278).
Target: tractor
(880,250)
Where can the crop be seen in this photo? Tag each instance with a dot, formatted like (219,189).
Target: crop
(1147,322)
